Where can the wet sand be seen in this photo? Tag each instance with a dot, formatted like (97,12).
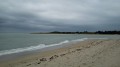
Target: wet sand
(89,53)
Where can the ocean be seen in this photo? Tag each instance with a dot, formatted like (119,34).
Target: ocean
(20,42)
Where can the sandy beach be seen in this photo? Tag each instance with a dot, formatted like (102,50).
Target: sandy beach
(88,53)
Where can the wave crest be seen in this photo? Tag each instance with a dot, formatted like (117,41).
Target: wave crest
(40,46)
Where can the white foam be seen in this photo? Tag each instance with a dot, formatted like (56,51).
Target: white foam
(5,52)
(63,42)
(83,39)
(40,46)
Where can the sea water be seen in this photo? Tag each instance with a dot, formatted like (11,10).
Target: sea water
(20,42)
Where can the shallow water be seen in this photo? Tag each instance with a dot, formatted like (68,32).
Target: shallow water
(19,42)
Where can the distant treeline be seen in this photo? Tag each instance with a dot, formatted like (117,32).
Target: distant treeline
(107,32)
(84,32)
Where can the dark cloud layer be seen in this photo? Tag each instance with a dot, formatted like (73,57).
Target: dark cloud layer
(61,15)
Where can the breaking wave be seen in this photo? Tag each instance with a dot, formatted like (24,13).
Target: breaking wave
(40,46)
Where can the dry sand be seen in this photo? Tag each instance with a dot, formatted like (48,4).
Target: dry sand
(89,53)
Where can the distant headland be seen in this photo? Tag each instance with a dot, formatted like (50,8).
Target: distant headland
(84,32)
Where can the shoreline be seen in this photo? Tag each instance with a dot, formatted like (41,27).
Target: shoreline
(66,53)
(40,47)
(8,57)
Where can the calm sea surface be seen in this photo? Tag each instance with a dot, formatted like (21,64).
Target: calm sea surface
(18,41)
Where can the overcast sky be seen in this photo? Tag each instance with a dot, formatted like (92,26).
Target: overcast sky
(59,15)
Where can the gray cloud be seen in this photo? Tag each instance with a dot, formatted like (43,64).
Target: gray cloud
(61,15)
